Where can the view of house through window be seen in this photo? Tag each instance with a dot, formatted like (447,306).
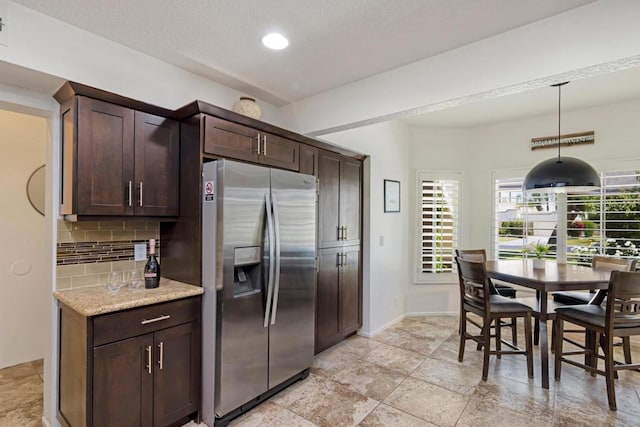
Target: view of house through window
(604,222)
(439,215)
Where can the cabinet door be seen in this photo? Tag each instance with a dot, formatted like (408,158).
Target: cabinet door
(177,373)
(105,158)
(308,159)
(328,328)
(350,200)
(123,383)
(350,318)
(280,152)
(329,199)
(157,159)
(229,139)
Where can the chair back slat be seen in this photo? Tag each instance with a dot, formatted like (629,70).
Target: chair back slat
(476,255)
(608,263)
(623,300)
(474,286)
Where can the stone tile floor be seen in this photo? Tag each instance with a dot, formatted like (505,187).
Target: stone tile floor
(408,375)
(21,395)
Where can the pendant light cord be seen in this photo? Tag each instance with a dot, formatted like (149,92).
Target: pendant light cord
(559,113)
(559,86)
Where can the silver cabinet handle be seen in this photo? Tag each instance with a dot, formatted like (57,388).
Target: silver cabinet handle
(258,144)
(148,359)
(130,193)
(345,233)
(140,193)
(155,319)
(338,259)
(161,357)
(264,146)
(339,232)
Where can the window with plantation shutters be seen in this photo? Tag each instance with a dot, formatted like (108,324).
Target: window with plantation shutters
(439,223)
(522,219)
(605,222)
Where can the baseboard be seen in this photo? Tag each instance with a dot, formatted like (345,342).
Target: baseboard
(431,313)
(381,328)
(45,422)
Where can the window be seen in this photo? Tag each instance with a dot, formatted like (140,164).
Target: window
(439,219)
(605,222)
(522,219)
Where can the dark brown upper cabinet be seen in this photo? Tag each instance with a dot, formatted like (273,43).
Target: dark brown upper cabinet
(233,140)
(308,159)
(339,202)
(117,161)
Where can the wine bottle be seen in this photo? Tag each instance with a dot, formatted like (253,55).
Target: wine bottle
(152,268)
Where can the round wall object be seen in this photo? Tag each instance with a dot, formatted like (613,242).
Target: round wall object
(247,106)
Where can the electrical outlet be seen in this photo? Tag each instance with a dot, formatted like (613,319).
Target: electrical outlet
(140,251)
(4,28)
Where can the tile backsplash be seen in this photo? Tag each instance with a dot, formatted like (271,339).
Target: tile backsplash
(88,251)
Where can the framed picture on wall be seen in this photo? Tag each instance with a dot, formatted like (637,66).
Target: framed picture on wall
(391,195)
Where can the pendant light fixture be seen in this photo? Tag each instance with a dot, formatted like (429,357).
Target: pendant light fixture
(561,174)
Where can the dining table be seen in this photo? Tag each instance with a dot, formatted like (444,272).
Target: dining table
(552,277)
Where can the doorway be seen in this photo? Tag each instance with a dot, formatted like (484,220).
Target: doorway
(24,283)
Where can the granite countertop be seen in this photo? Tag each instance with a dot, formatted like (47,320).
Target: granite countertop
(94,300)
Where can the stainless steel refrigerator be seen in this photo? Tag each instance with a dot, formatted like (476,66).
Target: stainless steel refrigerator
(259,265)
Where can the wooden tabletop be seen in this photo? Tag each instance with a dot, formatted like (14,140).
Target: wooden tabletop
(553,277)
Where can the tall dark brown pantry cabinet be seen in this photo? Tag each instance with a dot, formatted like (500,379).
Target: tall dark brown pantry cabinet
(339,290)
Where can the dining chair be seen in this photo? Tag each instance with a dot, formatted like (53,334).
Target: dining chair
(598,262)
(495,287)
(619,317)
(605,263)
(476,298)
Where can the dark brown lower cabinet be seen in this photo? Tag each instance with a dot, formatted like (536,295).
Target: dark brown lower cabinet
(338,310)
(141,366)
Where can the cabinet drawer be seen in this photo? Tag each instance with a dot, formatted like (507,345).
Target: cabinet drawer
(130,323)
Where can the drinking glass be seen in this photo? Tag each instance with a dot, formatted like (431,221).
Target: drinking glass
(114,281)
(134,279)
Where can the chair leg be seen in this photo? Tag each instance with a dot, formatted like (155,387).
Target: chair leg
(528,347)
(498,338)
(514,331)
(463,334)
(479,346)
(486,333)
(558,326)
(626,346)
(536,332)
(608,368)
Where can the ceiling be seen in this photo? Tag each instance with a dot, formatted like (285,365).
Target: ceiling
(332,43)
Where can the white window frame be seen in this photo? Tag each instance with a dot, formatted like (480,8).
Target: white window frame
(427,278)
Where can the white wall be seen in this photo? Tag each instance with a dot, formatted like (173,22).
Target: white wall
(23,284)
(435,150)
(505,148)
(385,265)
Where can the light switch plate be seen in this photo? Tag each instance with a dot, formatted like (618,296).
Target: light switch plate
(140,251)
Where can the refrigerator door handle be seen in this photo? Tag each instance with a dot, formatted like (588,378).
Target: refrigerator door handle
(276,223)
(272,239)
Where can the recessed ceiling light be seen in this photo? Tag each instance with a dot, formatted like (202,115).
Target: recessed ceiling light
(275,41)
